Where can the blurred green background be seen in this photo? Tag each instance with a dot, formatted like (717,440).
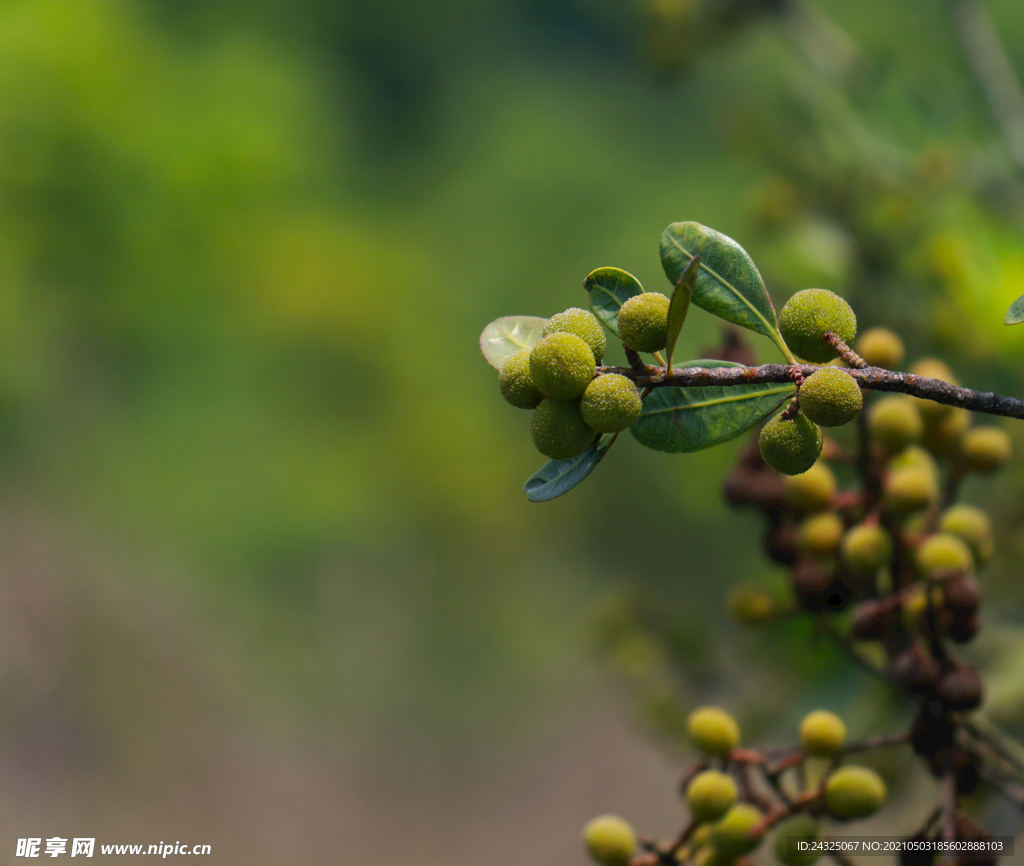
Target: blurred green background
(269,579)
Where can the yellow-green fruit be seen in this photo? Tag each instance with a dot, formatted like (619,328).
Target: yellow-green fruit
(812,490)
(515,383)
(915,606)
(583,324)
(801,828)
(710,795)
(790,445)
(713,730)
(750,605)
(866,548)
(561,366)
(943,434)
(914,457)
(610,403)
(830,397)
(933,368)
(822,733)
(985,449)
(559,431)
(609,840)
(701,836)
(819,536)
(731,835)
(808,316)
(895,422)
(880,347)
(910,489)
(972,525)
(944,552)
(855,792)
(643,322)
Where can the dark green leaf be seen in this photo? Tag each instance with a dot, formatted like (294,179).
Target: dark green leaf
(560,476)
(691,419)
(1015,315)
(609,289)
(503,337)
(680,306)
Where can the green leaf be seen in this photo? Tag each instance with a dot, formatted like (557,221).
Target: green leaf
(1015,315)
(560,476)
(609,289)
(503,337)
(679,306)
(691,419)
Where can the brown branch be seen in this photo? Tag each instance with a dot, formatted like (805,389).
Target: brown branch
(844,351)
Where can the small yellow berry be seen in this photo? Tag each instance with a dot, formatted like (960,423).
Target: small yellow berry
(985,449)
(731,835)
(790,445)
(855,792)
(880,347)
(643,322)
(713,730)
(710,795)
(808,316)
(944,552)
(866,548)
(819,536)
(830,398)
(895,422)
(812,490)
(609,840)
(789,833)
(822,733)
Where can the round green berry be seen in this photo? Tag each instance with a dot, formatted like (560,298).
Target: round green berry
(561,366)
(583,324)
(559,431)
(880,347)
(609,840)
(808,316)
(812,490)
(790,445)
(933,368)
(855,792)
(789,833)
(972,525)
(895,422)
(944,552)
(643,322)
(944,433)
(830,398)
(710,795)
(713,730)
(822,733)
(731,834)
(610,403)
(910,489)
(750,605)
(819,536)
(985,449)
(866,548)
(515,383)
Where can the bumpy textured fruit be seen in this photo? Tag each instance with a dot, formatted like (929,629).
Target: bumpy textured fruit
(750,605)
(944,552)
(561,366)
(515,383)
(822,733)
(643,322)
(583,324)
(985,449)
(866,548)
(933,368)
(610,403)
(808,316)
(559,431)
(910,489)
(895,422)
(609,840)
(944,433)
(713,730)
(790,445)
(710,795)
(880,347)
(812,490)
(830,398)
(730,835)
(801,828)
(819,536)
(972,525)
(855,792)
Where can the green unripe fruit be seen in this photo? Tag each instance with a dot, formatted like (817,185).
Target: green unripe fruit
(944,552)
(933,368)
(808,316)
(910,489)
(515,383)
(866,548)
(610,403)
(730,835)
(972,525)
(985,449)
(830,397)
(790,445)
(812,490)
(750,605)
(609,840)
(643,322)
(915,607)
(855,792)
(710,795)
(822,733)
(880,347)
(943,434)
(895,422)
(801,828)
(583,324)
(561,366)
(559,431)
(713,730)
(819,536)
(701,836)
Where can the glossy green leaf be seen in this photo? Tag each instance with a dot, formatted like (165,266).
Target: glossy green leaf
(557,477)
(680,306)
(609,289)
(503,337)
(691,419)
(1015,315)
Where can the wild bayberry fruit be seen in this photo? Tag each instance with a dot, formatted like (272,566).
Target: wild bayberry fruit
(943,552)
(871,620)
(559,431)
(710,795)
(561,366)
(812,584)
(972,525)
(789,833)
(750,605)
(915,607)
(822,733)
(880,347)
(819,535)
(985,449)
(855,792)
(830,398)
(866,548)
(713,730)
(963,629)
(609,840)
(909,490)
(915,671)
(731,834)
(515,383)
(944,434)
(610,403)
(812,490)
(961,689)
(895,422)
(780,543)
(643,322)
(808,316)
(790,445)
(961,595)
(584,325)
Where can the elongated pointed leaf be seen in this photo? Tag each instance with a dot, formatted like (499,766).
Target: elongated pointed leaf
(680,306)
(1015,315)
(609,289)
(503,337)
(691,419)
(557,477)
(728,284)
